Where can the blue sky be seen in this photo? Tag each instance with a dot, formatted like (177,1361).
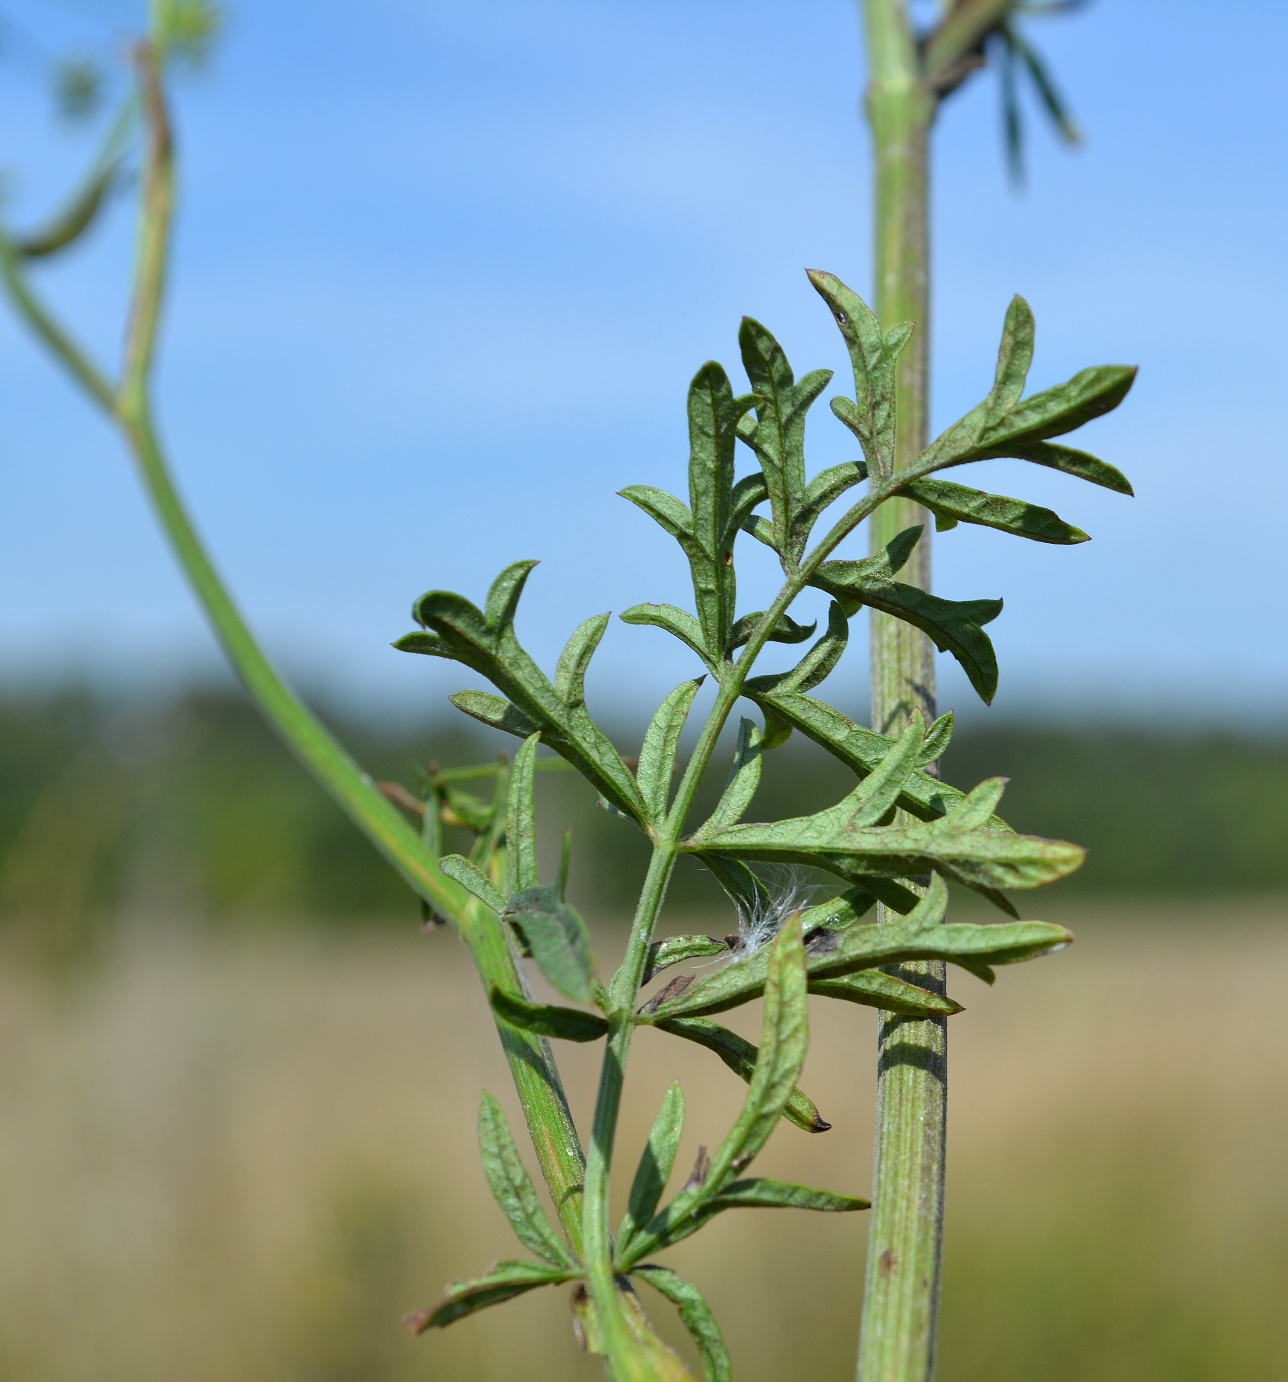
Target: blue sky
(444,271)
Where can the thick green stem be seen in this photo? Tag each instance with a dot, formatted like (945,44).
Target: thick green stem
(905,1230)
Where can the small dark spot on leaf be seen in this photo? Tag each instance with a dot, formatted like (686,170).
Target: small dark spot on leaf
(842,319)
(889,1260)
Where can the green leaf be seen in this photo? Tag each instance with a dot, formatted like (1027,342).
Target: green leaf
(831,840)
(1014,357)
(814,667)
(661,743)
(677,622)
(938,737)
(520,820)
(783,1044)
(557,937)
(547,1019)
(513,1188)
(697,1319)
(675,950)
(740,1056)
(1089,394)
(491,710)
(503,1282)
(713,435)
(1071,462)
(954,626)
(821,492)
(960,503)
(74,219)
(778,434)
(473,880)
(486,641)
(921,935)
(873,989)
(785,630)
(665,510)
(744,778)
(570,673)
(762,1193)
(655,1165)
(1046,89)
(873,353)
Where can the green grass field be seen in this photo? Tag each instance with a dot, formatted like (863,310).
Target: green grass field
(245,1156)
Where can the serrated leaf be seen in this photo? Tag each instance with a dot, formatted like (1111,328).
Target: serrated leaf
(661,743)
(557,937)
(960,503)
(486,641)
(744,778)
(760,1192)
(520,820)
(873,354)
(655,1165)
(815,666)
(473,880)
(697,1318)
(954,626)
(502,1282)
(513,1189)
(873,989)
(547,1019)
(785,630)
(676,950)
(677,622)
(784,1039)
(740,1056)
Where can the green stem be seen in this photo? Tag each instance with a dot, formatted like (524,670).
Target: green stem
(901,1295)
(531,1062)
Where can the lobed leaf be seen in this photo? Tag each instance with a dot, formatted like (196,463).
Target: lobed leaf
(502,1282)
(486,641)
(697,1319)
(740,1056)
(547,1019)
(513,1189)
(954,626)
(557,937)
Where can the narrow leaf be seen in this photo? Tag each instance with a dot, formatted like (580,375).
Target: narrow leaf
(697,1319)
(817,664)
(546,1019)
(677,622)
(785,630)
(503,1282)
(762,1193)
(665,510)
(962,504)
(492,710)
(873,989)
(520,820)
(570,674)
(1080,463)
(938,737)
(513,1188)
(661,743)
(740,1056)
(473,880)
(655,1165)
(675,950)
(744,778)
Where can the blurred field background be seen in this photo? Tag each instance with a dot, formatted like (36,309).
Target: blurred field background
(238,1086)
